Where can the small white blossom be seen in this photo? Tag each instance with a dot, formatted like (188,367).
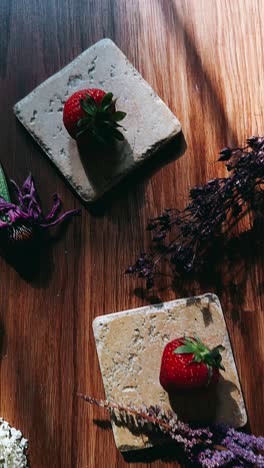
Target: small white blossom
(12,447)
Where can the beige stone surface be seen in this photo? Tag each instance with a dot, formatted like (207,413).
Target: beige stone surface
(149,123)
(130,344)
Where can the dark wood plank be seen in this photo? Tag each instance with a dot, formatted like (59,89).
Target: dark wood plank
(205,59)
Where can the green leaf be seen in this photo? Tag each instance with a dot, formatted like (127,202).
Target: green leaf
(85,121)
(198,358)
(219,348)
(197,339)
(90,101)
(107,110)
(106,101)
(110,130)
(4,192)
(88,105)
(189,339)
(185,349)
(118,116)
(102,117)
(117,135)
(83,130)
(215,355)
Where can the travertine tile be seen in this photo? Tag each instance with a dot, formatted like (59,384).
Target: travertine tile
(130,344)
(149,123)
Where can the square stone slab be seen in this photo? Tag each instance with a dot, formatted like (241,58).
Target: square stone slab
(149,123)
(130,345)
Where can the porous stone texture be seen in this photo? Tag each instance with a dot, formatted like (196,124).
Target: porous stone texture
(149,123)
(130,345)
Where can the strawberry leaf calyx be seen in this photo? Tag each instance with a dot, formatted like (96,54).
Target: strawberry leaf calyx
(101,119)
(106,102)
(201,353)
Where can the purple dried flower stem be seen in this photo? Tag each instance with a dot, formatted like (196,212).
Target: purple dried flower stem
(24,221)
(211,207)
(113,406)
(204,447)
(167,423)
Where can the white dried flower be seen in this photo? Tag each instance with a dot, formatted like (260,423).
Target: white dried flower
(12,447)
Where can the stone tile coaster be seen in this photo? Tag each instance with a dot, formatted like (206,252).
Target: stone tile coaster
(149,123)
(130,344)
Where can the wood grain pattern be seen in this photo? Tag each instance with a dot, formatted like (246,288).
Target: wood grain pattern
(206,60)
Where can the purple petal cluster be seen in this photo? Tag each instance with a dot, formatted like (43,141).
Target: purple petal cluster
(207,447)
(144,267)
(22,221)
(214,458)
(183,236)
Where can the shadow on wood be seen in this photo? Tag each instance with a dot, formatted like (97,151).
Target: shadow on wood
(33,259)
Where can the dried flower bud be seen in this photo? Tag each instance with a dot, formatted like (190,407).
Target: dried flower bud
(255,142)
(225,154)
(190,230)
(159,236)
(151,226)
(130,270)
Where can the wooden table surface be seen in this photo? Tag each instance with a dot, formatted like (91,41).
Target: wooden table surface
(205,59)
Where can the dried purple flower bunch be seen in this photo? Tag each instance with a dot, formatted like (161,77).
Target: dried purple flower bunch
(207,447)
(184,236)
(23,221)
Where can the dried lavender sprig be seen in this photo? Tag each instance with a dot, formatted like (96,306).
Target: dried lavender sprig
(167,423)
(207,447)
(183,236)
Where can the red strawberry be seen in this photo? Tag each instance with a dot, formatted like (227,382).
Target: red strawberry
(92,111)
(187,363)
